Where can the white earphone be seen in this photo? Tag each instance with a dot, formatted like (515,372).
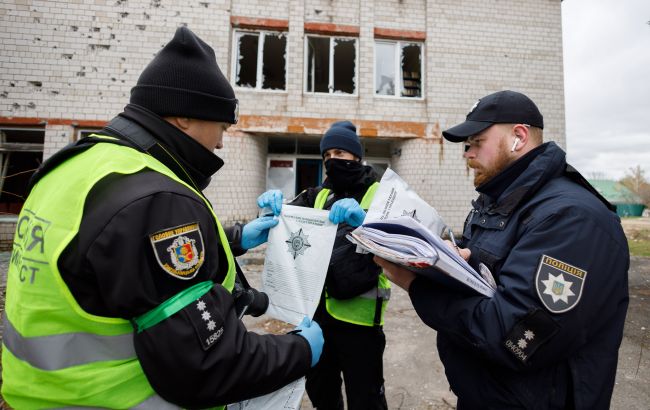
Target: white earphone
(515,144)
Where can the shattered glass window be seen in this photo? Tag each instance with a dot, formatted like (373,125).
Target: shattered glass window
(318,62)
(261,60)
(274,62)
(385,68)
(331,65)
(398,69)
(247,60)
(411,70)
(345,57)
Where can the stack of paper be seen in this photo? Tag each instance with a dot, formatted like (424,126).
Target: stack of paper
(406,242)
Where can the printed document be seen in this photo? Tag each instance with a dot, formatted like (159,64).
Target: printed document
(297,256)
(394,198)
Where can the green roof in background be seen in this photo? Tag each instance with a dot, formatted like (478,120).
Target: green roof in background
(614,192)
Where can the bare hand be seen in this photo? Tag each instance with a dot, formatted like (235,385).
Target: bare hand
(399,275)
(463,252)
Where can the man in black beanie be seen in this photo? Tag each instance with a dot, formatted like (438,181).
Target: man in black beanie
(134,288)
(356,293)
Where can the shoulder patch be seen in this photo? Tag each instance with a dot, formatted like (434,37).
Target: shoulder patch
(179,250)
(527,335)
(559,285)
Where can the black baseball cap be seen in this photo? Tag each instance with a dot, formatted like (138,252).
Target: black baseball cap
(502,107)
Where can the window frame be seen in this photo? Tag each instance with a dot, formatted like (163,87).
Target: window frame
(21,147)
(260,59)
(398,69)
(331,65)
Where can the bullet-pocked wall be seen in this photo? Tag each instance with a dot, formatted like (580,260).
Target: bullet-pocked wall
(67,65)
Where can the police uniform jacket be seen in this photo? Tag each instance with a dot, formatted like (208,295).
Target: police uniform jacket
(549,337)
(349,273)
(113,268)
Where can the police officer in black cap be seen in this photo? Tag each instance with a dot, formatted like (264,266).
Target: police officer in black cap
(549,337)
(132,306)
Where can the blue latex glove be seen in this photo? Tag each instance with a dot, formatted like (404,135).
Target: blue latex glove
(272,199)
(311,331)
(347,210)
(256,232)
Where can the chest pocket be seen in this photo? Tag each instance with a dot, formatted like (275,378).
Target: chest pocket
(489,240)
(492,255)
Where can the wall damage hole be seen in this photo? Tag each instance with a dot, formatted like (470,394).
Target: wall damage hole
(141,27)
(37,84)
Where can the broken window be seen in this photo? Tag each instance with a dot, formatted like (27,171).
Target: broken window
(331,65)
(398,69)
(260,60)
(21,153)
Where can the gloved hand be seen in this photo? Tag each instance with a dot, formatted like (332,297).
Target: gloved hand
(256,232)
(347,210)
(311,331)
(271,198)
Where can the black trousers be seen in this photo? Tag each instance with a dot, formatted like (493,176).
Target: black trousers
(356,352)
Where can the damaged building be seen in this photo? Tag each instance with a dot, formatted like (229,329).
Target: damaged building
(401,70)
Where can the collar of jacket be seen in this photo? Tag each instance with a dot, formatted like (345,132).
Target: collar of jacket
(521,180)
(199,163)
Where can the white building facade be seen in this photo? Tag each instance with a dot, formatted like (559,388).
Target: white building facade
(401,70)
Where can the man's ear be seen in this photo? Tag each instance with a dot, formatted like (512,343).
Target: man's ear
(182,123)
(521,133)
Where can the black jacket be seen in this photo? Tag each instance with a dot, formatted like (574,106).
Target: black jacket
(112,269)
(549,337)
(349,273)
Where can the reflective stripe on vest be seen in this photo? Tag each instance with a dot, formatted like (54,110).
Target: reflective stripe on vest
(56,354)
(368,308)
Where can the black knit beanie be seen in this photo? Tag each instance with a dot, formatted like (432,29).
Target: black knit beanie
(342,135)
(184,80)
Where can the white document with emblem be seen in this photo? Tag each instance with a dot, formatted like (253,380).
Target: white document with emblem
(394,198)
(297,256)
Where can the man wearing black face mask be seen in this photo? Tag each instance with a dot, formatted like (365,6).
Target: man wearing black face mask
(356,291)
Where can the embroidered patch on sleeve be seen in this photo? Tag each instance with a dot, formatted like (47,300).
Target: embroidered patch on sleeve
(559,285)
(206,319)
(527,335)
(179,250)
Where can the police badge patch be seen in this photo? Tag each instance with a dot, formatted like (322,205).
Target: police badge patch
(179,251)
(559,285)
